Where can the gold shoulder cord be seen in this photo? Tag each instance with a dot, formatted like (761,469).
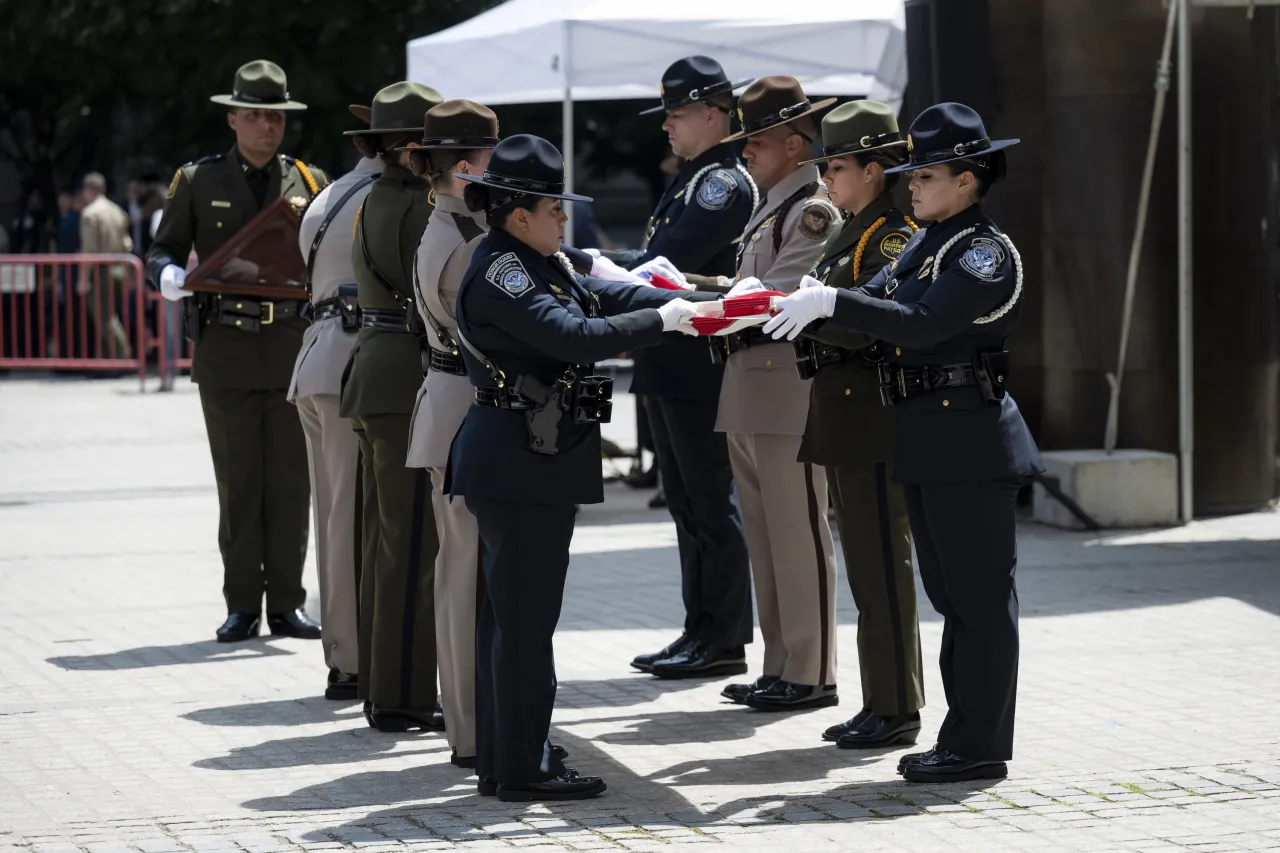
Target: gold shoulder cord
(307,178)
(866,237)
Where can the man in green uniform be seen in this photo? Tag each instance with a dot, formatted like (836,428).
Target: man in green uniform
(244,354)
(379,388)
(851,434)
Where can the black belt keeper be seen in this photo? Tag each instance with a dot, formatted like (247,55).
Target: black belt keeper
(446,362)
(903,383)
(250,315)
(392,321)
(502,398)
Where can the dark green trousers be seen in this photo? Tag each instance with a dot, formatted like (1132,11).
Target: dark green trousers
(876,540)
(264,496)
(397,578)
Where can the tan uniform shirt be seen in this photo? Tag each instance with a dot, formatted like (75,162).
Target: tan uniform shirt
(762,393)
(104,228)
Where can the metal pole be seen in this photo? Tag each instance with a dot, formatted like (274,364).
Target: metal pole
(1140,229)
(1186,421)
(566,128)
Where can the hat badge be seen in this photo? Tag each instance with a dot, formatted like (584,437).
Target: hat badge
(741,118)
(911,145)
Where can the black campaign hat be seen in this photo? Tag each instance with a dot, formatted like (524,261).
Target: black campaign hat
(947,132)
(526,164)
(692,79)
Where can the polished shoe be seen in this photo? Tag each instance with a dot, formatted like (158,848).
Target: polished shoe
(341,686)
(739,692)
(945,766)
(239,627)
(878,731)
(437,718)
(912,757)
(368,713)
(786,696)
(293,623)
(559,751)
(645,663)
(702,660)
(468,762)
(658,501)
(834,733)
(567,786)
(404,719)
(487,786)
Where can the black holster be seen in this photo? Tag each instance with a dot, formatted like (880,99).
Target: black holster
(593,400)
(991,369)
(193,311)
(349,301)
(542,419)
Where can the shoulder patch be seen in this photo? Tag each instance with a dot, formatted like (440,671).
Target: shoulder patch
(173,185)
(716,189)
(816,219)
(509,275)
(467,227)
(983,258)
(891,245)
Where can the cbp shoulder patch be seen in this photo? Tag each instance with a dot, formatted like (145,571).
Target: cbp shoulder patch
(716,189)
(509,275)
(984,258)
(816,219)
(891,245)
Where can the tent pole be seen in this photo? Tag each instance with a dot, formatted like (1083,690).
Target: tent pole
(1186,420)
(566,128)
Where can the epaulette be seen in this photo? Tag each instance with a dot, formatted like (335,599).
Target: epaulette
(313,186)
(203,161)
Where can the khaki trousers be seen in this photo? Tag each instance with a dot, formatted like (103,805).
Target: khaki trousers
(333,450)
(457,571)
(793,564)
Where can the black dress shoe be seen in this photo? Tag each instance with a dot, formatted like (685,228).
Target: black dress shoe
(881,731)
(658,501)
(739,692)
(945,766)
(702,660)
(559,751)
(911,757)
(834,733)
(368,713)
(403,719)
(787,696)
(487,786)
(239,627)
(341,686)
(437,718)
(293,623)
(645,663)
(468,762)
(567,786)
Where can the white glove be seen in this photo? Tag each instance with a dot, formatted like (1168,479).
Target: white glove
(171,279)
(676,315)
(595,253)
(606,269)
(663,267)
(799,309)
(809,281)
(747,285)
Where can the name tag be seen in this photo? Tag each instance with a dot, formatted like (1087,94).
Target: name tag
(221,203)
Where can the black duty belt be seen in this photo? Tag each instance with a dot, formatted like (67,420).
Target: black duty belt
(502,398)
(392,321)
(902,383)
(250,315)
(327,309)
(723,346)
(447,362)
(812,356)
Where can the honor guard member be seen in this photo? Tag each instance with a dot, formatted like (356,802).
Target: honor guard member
(459,137)
(695,226)
(764,404)
(379,385)
(244,354)
(946,306)
(529,448)
(850,433)
(332,446)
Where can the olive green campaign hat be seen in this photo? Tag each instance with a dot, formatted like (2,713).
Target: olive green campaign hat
(858,127)
(259,85)
(398,108)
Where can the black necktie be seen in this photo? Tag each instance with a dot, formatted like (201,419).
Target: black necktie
(258,180)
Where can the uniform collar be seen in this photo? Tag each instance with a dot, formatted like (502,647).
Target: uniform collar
(368,166)
(399,174)
(273,165)
(454,206)
(874,210)
(788,186)
(719,153)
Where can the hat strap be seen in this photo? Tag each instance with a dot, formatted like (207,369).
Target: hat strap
(254,99)
(460,141)
(861,144)
(508,182)
(963,149)
(782,115)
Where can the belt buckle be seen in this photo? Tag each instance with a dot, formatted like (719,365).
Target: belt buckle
(270,308)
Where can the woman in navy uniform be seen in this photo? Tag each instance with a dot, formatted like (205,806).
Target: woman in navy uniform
(947,306)
(529,448)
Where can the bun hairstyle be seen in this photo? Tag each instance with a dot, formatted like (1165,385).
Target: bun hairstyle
(497,204)
(382,145)
(987,169)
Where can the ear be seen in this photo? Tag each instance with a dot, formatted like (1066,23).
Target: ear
(871,172)
(231,119)
(520,218)
(966,182)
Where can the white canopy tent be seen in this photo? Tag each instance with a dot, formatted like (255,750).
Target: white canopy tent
(538,51)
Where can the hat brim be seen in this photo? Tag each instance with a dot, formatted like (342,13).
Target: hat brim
(813,108)
(662,108)
(902,145)
(996,145)
(479,179)
(449,147)
(383,131)
(360,111)
(229,101)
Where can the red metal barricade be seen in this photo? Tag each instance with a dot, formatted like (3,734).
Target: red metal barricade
(73,312)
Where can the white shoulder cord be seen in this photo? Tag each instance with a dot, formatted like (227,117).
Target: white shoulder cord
(755,193)
(1017,265)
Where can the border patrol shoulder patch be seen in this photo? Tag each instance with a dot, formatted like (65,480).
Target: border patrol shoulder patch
(983,258)
(173,185)
(891,245)
(816,219)
(716,189)
(509,275)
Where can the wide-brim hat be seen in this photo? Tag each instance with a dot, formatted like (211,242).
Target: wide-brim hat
(526,164)
(692,79)
(398,108)
(771,102)
(947,132)
(459,124)
(859,127)
(259,85)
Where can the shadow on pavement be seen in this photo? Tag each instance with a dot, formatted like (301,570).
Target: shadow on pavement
(279,712)
(635,689)
(208,651)
(342,747)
